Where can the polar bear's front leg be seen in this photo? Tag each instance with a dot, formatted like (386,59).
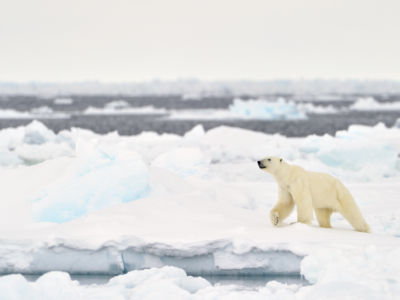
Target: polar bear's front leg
(283,208)
(303,200)
(274,216)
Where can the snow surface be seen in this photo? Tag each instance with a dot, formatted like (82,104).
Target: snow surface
(85,203)
(122,174)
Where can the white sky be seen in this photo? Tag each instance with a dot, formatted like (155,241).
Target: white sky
(130,40)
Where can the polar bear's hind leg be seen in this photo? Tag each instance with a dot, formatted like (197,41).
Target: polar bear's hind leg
(324,217)
(350,210)
(356,220)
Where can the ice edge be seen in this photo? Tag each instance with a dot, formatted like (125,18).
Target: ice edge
(109,260)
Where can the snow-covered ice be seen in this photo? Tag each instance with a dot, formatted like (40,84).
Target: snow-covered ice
(85,203)
(121,107)
(43,112)
(97,179)
(262,109)
(370,104)
(258,109)
(14,114)
(63,101)
(367,150)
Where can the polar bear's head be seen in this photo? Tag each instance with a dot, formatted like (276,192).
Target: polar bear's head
(270,164)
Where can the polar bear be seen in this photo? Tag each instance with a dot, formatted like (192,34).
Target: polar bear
(310,190)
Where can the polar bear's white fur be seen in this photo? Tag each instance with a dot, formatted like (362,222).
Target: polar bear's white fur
(310,190)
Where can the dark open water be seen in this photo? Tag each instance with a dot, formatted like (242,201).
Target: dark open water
(134,124)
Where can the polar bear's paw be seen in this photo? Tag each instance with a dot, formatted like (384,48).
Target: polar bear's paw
(274,218)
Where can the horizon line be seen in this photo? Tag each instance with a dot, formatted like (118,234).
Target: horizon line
(191,79)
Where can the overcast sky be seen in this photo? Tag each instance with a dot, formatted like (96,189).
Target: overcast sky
(129,40)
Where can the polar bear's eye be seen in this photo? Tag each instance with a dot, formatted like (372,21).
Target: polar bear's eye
(269,159)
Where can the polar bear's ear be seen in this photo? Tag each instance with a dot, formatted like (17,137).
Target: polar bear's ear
(280,160)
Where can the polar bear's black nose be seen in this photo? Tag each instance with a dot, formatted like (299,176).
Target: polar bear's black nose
(260,164)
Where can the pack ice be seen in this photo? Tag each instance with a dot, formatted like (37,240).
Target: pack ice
(151,209)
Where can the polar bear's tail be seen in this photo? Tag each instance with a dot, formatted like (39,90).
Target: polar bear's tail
(350,210)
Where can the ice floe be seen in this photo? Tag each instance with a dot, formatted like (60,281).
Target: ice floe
(121,107)
(43,112)
(85,203)
(256,109)
(63,101)
(370,104)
